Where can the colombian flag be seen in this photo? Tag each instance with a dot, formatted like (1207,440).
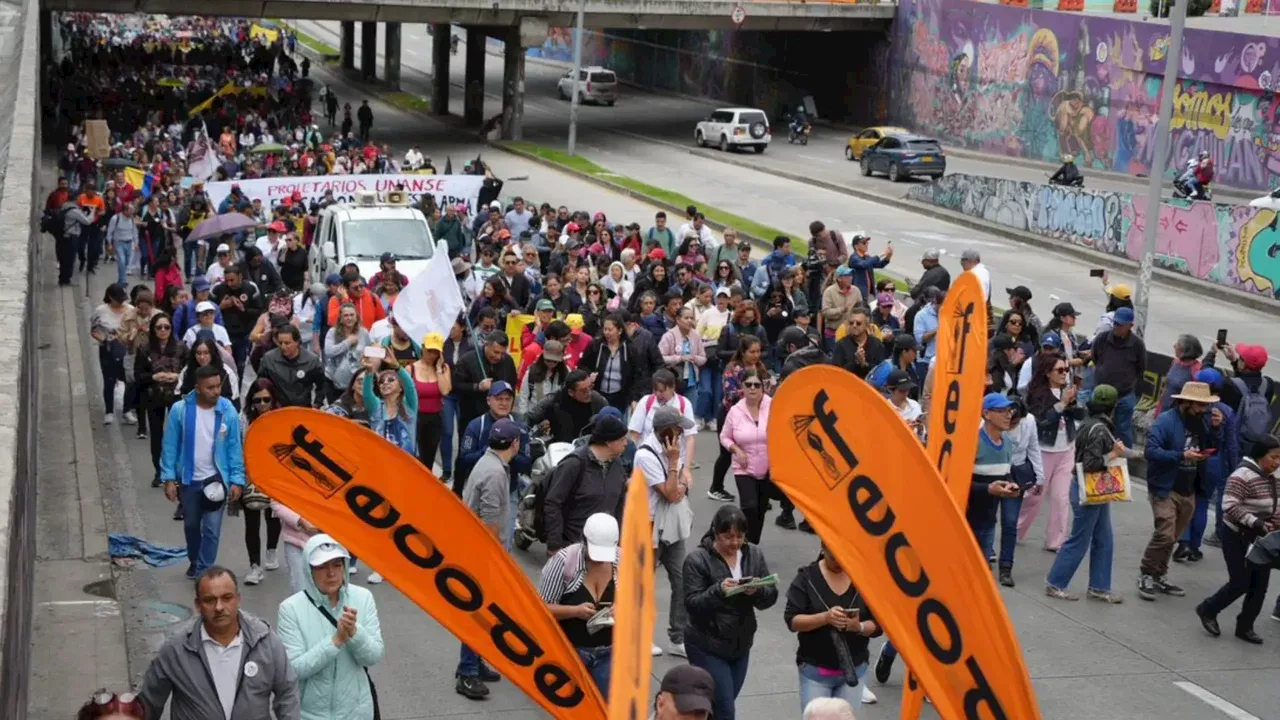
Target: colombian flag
(139,180)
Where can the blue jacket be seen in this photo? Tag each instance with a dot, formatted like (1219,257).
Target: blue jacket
(407,437)
(177,454)
(1166,441)
(184,318)
(331,679)
(1228,458)
(475,440)
(864,273)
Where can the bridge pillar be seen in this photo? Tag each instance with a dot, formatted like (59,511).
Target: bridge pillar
(369,50)
(391,56)
(440,37)
(512,85)
(473,98)
(348,43)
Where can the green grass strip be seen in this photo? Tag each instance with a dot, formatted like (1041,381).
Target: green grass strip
(582,165)
(322,48)
(406,101)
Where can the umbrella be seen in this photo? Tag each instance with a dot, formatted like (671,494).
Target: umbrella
(264,148)
(120,163)
(215,226)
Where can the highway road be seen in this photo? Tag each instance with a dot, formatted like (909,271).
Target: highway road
(1087,660)
(621,139)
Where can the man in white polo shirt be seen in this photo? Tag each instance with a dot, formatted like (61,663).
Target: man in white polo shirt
(664,394)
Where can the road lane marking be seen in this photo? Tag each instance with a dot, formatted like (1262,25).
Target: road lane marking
(411,51)
(1226,708)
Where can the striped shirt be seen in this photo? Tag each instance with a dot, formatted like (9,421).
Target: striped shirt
(993,461)
(565,572)
(1249,497)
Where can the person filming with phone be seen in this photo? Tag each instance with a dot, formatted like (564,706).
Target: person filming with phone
(833,625)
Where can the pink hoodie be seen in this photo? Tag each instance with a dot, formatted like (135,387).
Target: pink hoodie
(289,531)
(741,430)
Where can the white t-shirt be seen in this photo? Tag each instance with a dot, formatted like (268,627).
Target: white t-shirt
(203,451)
(642,421)
(910,412)
(272,254)
(654,468)
(736,570)
(220,335)
(1060,443)
(215,273)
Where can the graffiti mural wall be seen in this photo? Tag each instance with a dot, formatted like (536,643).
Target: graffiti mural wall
(1040,84)
(1230,245)
(769,70)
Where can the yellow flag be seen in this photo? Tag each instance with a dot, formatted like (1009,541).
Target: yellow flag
(515,329)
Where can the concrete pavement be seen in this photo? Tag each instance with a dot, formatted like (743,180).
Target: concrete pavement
(618,141)
(1087,660)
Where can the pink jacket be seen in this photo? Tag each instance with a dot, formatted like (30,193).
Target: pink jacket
(289,531)
(739,429)
(670,344)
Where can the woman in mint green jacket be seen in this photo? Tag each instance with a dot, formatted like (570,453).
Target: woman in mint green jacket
(331,633)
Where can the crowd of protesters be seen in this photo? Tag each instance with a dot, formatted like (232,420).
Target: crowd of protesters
(633,340)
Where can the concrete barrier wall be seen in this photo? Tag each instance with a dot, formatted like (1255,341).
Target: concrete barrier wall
(1038,84)
(1226,244)
(19,150)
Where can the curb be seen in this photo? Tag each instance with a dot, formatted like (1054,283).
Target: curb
(1111,262)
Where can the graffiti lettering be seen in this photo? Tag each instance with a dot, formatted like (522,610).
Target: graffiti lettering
(1201,110)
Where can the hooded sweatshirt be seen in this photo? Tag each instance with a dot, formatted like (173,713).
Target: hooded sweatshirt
(332,680)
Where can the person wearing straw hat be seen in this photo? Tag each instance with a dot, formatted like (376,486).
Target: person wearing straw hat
(1178,445)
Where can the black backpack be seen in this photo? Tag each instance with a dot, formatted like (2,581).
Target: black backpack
(540,493)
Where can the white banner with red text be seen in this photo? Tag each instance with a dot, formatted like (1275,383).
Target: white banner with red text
(446,189)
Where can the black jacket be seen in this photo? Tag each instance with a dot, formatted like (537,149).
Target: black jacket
(648,359)
(472,401)
(729,341)
(809,594)
(723,626)
(936,276)
(554,409)
(1041,403)
(517,288)
(846,355)
(239,322)
(630,365)
(265,276)
(147,362)
(578,488)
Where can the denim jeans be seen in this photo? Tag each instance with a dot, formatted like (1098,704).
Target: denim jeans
(599,662)
(1010,509)
(450,414)
(710,391)
(1194,533)
(1090,533)
(814,685)
(729,676)
(240,347)
(671,557)
(468,663)
(191,258)
(690,393)
(1123,418)
(203,528)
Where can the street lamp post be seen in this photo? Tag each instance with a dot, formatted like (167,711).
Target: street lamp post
(1172,64)
(577,75)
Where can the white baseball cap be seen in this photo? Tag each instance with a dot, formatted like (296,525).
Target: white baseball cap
(205,306)
(327,549)
(601,534)
(224,248)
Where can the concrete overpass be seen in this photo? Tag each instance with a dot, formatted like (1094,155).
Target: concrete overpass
(666,14)
(519,24)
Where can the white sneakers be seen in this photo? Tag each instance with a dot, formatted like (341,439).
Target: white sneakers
(374,579)
(110,419)
(656,650)
(868,697)
(254,576)
(677,649)
(130,417)
(272,563)
(351,569)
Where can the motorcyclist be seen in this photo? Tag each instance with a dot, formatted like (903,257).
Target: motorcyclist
(799,120)
(1068,174)
(1198,175)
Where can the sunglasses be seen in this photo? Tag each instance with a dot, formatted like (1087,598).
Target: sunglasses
(262,401)
(389,381)
(752,385)
(102,697)
(164,327)
(1059,370)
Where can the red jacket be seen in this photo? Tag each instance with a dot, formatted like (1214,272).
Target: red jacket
(165,277)
(1204,173)
(368,307)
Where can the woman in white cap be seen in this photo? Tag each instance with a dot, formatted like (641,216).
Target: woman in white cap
(331,633)
(578,583)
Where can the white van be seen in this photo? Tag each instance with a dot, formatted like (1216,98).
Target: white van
(362,231)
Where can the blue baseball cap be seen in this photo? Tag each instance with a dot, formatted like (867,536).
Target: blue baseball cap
(996,401)
(1051,340)
(844,270)
(1124,316)
(333,279)
(505,429)
(499,387)
(200,284)
(1211,377)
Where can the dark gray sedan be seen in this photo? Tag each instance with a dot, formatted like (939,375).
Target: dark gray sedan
(901,155)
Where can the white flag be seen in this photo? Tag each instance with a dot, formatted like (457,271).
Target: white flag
(431,302)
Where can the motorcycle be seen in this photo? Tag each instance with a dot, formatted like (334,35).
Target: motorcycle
(545,457)
(1182,192)
(1077,182)
(799,132)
